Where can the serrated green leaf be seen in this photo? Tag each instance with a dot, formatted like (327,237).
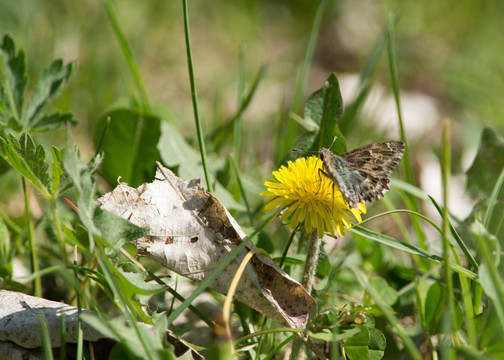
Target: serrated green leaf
(13,82)
(129,142)
(52,122)
(28,159)
(57,170)
(51,82)
(35,156)
(80,174)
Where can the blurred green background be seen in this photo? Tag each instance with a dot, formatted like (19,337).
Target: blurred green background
(448,55)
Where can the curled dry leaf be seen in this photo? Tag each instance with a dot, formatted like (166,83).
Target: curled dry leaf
(191,232)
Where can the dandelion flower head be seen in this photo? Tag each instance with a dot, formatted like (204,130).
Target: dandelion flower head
(303,195)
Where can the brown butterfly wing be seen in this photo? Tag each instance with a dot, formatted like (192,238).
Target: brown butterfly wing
(374,163)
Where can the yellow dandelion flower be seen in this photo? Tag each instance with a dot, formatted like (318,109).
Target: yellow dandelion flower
(303,195)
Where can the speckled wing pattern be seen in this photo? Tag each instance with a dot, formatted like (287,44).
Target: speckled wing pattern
(362,174)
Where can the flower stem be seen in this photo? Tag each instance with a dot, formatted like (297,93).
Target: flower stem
(311,261)
(297,352)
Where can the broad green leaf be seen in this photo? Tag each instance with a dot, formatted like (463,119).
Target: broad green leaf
(324,108)
(386,293)
(177,154)
(51,82)
(128,140)
(137,341)
(135,284)
(356,347)
(223,134)
(328,335)
(28,159)
(367,344)
(12,83)
(487,164)
(116,230)
(323,265)
(377,344)
(435,304)
(491,336)
(473,354)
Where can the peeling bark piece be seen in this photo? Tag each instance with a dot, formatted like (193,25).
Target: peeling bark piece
(191,232)
(20,320)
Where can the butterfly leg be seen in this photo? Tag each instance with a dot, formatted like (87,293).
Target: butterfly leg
(320,171)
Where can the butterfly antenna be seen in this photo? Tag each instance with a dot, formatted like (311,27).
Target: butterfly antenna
(307,151)
(334,140)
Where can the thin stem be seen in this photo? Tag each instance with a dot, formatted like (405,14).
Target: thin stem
(194,96)
(237,126)
(59,233)
(37,283)
(407,160)
(79,309)
(445,169)
(242,188)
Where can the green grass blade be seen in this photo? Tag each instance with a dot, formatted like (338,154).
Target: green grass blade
(411,249)
(303,73)
(242,189)
(388,313)
(365,82)
(46,342)
(128,54)
(406,158)
(446,171)
(493,200)
(457,238)
(194,95)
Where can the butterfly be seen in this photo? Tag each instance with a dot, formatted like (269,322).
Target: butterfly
(362,174)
